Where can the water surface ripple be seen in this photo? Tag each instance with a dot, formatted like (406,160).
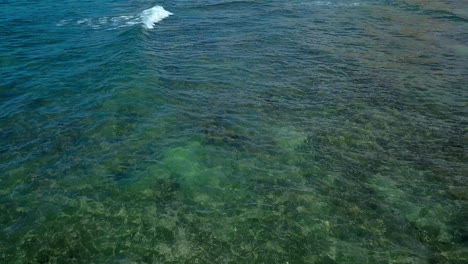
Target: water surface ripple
(233,131)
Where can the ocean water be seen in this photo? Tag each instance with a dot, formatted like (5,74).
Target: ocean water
(212,131)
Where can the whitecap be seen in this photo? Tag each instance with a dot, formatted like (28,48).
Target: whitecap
(64,22)
(337,4)
(102,20)
(153,15)
(83,21)
(147,18)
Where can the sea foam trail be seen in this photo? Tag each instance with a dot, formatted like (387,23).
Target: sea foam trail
(147,18)
(153,15)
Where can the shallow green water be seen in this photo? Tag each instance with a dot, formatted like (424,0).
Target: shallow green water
(233,132)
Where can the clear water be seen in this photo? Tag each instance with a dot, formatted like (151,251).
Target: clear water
(233,132)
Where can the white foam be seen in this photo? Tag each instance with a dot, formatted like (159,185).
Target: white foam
(147,18)
(83,21)
(64,22)
(153,15)
(334,4)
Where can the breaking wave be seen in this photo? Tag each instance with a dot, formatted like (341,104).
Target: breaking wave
(153,15)
(148,18)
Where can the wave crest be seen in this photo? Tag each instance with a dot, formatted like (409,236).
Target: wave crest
(147,18)
(153,15)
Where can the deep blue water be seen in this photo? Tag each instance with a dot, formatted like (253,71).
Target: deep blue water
(233,132)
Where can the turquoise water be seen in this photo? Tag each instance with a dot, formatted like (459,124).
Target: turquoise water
(233,132)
